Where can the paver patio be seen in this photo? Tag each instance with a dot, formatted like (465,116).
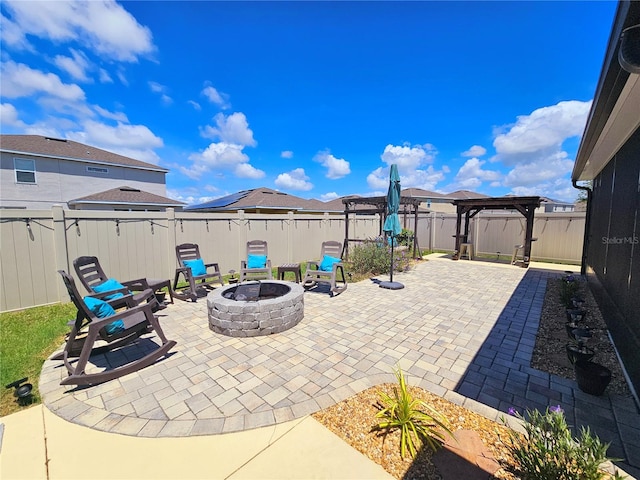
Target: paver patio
(464,330)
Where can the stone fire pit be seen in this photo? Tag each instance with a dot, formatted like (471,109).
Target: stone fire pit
(255,308)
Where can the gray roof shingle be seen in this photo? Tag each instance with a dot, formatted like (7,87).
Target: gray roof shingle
(128,195)
(68,150)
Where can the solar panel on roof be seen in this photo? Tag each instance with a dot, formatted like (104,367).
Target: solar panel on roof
(220,202)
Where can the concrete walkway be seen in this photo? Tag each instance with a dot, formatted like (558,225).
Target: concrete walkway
(464,330)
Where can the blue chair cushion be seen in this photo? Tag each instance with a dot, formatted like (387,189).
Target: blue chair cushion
(256,261)
(197,267)
(102,309)
(326,265)
(111,284)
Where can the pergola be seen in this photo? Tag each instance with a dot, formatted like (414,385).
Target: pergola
(471,207)
(378,205)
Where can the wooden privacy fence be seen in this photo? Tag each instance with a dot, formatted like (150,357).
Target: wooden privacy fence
(559,235)
(34,244)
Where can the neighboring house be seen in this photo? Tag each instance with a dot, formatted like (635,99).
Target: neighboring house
(37,172)
(261,200)
(125,198)
(432,201)
(609,156)
(549,205)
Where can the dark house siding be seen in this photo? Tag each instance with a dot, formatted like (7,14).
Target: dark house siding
(613,258)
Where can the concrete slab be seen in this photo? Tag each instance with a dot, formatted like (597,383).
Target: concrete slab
(309,450)
(23,454)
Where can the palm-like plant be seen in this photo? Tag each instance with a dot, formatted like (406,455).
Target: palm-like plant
(416,420)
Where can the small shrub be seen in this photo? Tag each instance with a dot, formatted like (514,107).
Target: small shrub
(547,449)
(405,238)
(405,413)
(568,289)
(374,257)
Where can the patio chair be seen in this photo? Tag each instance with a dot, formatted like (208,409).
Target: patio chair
(327,269)
(116,329)
(95,280)
(194,271)
(257,266)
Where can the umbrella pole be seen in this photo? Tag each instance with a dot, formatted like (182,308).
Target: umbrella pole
(391,273)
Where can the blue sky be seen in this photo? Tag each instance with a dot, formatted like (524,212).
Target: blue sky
(313,99)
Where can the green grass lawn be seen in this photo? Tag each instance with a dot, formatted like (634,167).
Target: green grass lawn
(27,339)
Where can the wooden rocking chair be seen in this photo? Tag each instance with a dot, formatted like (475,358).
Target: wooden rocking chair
(249,272)
(133,322)
(187,253)
(316,270)
(92,275)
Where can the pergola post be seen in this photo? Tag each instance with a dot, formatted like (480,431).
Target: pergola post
(458,220)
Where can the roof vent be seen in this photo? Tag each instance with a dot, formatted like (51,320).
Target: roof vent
(129,189)
(53,139)
(629,52)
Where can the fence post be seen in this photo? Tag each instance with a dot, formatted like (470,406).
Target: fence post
(60,248)
(290,223)
(242,236)
(171,238)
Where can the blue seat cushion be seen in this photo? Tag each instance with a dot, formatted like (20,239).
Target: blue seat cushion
(256,261)
(108,285)
(102,309)
(197,267)
(326,265)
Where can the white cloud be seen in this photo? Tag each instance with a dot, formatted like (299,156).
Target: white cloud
(246,170)
(76,65)
(101,25)
(325,197)
(20,80)
(287,154)
(475,151)
(533,149)
(156,87)
(408,158)
(336,167)
(104,76)
(215,97)
(230,129)
(294,180)
(12,35)
(221,156)
(195,105)
(426,179)
(117,116)
(471,175)
(544,128)
(411,163)
(134,141)
(160,90)
(9,116)
(546,169)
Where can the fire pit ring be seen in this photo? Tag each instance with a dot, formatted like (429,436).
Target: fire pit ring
(255,308)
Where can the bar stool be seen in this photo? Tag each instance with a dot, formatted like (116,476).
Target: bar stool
(517,250)
(466,249)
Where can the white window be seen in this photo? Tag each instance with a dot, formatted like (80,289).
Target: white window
(25,170)
(97,170)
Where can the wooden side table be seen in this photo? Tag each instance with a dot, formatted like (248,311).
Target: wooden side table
(156,284)
(290,267)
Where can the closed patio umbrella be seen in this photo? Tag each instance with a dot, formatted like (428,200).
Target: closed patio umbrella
(392,222)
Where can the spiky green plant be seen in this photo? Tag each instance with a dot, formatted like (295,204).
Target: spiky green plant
(418,422)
